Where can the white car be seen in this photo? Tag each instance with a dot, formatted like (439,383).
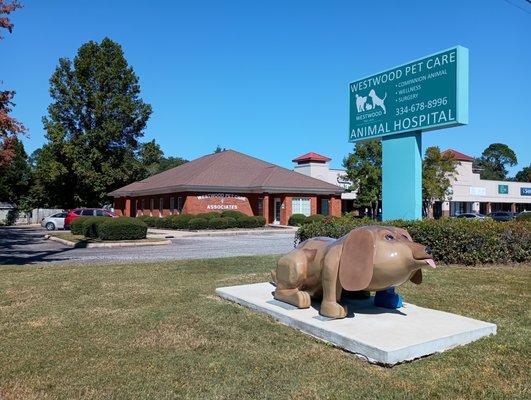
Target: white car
(55,221)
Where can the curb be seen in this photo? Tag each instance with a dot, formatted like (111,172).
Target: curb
(176,234)
(96,245)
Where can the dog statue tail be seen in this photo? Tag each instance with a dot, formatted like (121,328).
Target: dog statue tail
(384,96)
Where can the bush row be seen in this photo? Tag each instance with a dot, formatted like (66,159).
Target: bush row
(105,228)
(212,220)
(454,241)
(301,219)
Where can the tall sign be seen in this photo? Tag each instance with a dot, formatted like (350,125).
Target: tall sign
(397,105)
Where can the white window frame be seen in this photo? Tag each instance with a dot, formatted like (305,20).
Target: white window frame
(297,206)
(172,205)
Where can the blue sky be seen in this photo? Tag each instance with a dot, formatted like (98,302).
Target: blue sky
(271,78)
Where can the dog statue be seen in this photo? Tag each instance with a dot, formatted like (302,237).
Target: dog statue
(369,258)
(376,101)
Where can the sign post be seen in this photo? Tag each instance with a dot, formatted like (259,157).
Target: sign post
(397,105)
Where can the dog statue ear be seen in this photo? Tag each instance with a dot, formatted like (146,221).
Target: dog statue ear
(404,232)
(357,259)
(310,254)
(416,278)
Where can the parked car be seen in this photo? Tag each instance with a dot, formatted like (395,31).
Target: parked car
(86,212)
(501,215)
(471,216)
(55,221)
(523,215)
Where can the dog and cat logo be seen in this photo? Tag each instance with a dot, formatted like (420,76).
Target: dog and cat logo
(363,105)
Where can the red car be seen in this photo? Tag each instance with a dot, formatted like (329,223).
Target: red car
(86,212)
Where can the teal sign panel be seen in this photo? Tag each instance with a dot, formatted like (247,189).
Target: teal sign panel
(503,189)
(425,94)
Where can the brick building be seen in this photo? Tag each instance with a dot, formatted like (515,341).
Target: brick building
(229,180)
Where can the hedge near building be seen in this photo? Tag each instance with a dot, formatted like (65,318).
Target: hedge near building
(104,228)
(212,220)
(454,241)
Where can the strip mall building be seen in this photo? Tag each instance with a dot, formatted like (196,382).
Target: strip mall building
(229,180)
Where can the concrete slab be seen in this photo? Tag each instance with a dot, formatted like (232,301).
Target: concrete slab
(379,335)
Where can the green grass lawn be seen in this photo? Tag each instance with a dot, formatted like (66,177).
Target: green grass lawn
(159,331)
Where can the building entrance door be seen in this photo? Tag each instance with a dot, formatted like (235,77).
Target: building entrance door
(276,212)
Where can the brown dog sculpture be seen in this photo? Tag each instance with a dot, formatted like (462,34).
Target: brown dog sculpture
(369,258)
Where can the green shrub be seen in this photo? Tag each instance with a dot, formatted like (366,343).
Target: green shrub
(296,219)
(90,226)
(198,223)
(122,228)
(260,221)
(148,220)
(76,227)
(232,214)
(231,222)
(208,215)
(218,223)
(248,222)
(180,221)
(314,218)
(454,241)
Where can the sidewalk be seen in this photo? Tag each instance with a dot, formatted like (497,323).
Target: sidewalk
(270,230)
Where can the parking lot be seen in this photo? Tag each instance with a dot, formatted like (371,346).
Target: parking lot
(26,245)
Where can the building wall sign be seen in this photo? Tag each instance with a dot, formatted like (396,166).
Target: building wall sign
(426,94)
(503,189)
(525,191)
(221,202)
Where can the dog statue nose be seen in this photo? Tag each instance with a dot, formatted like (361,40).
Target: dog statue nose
(428,250)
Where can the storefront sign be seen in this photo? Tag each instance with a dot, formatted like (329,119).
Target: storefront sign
(222,201)
(426,94)
(503,189)
(525,191)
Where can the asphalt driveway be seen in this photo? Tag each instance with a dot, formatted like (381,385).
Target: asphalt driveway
(26,245)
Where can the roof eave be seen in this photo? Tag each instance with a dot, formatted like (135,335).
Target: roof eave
(224,189)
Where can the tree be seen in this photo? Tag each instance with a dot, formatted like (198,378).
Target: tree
(16,177)
(524,175)
(93,125)
(494,160)
(153,160)
(437,171)
(219,149)
(10,128)
(364,170)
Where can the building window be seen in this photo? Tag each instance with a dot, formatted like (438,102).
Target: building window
(151,206)
(260,209)
(136,207)
(161,206)
(172,205)
(301,205)
(179,204)
(143,206)
(325,206)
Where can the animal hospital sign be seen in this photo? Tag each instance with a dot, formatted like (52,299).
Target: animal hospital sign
(426,94)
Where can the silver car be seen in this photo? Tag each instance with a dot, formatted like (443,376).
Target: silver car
(55,221)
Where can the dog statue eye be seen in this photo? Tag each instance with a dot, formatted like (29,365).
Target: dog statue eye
(389,237)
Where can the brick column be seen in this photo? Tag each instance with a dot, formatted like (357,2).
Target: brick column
(265,208)
(313,205)
(489,208)
(513,207)
(285,211)
(127,207)
(335,207)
